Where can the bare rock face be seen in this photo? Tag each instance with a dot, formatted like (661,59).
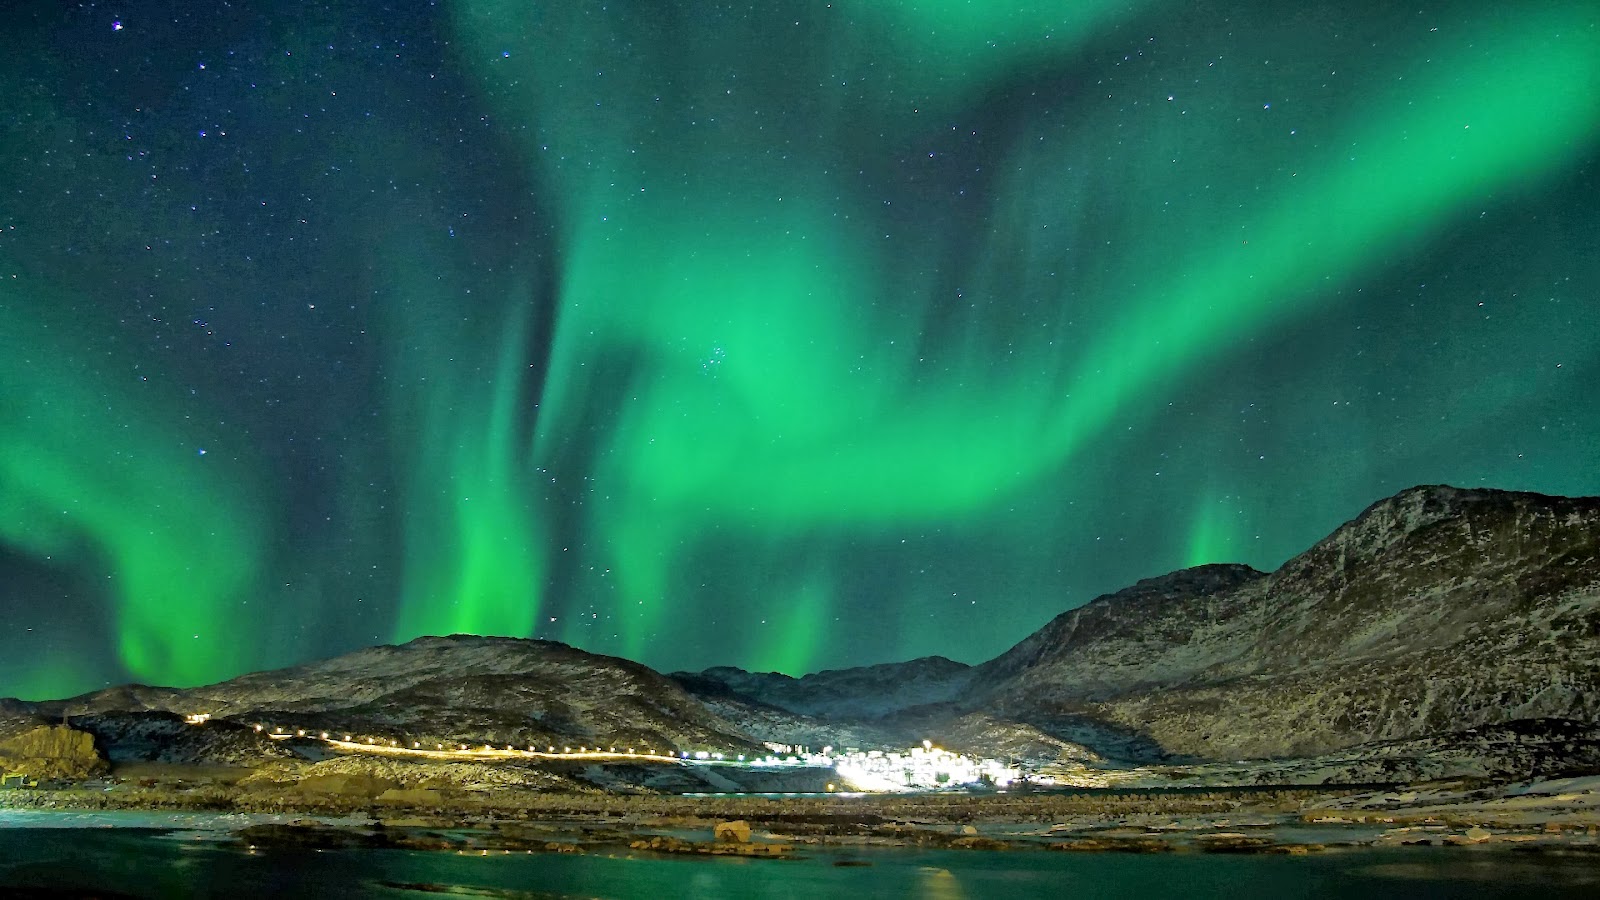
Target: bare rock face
(52,753)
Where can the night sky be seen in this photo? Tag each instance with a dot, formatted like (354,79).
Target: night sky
(787,334)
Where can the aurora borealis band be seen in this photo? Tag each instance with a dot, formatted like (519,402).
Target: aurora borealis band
(786,335)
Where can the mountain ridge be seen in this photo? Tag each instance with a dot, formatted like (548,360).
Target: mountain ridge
(1433,610)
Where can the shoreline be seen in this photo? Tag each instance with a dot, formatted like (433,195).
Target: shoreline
(1558,817)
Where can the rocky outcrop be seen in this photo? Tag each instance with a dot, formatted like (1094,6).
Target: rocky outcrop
(51,753)
(1133,632)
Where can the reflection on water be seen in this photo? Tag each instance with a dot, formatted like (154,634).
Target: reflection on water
(940,884)
(148,863)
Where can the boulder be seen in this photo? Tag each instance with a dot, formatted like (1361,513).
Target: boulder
(52,753)
(736,832)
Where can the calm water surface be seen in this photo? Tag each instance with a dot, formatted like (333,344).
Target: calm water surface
(151,863)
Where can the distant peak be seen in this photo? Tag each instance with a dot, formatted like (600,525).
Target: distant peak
(1423,505)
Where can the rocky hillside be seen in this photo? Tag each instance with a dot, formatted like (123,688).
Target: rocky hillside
(1512,751)
(866,692)
(1435,610)
(445,690)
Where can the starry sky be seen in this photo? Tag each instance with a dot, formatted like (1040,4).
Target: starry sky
(788,334)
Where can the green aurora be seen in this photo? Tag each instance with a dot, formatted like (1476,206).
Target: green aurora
(812,335)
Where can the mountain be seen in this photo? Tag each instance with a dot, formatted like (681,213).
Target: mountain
(436,690)
(867,692)
(1435,610)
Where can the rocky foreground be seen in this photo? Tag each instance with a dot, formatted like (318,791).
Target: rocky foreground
(1560,816)
(360,800)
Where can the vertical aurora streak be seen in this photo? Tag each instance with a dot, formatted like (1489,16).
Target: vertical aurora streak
(809,335)
(474,555)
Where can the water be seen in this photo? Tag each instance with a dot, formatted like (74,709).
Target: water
(152,863)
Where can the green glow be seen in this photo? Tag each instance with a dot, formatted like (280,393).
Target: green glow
(49,678)
(765,388)
(474,553)
(793,335)
(962,44)
(1485,125)
(793,631)
(102,471)
(1213,534)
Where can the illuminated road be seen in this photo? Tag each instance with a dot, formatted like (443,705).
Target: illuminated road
(488,753)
